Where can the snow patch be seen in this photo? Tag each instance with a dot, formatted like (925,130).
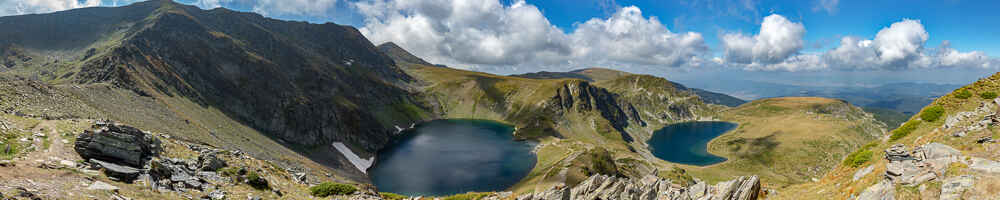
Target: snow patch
(360,163)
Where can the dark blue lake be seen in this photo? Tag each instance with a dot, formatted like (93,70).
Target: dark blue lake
(445,157)
(686,143)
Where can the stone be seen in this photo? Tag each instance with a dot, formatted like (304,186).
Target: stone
(611,187)
(985,166)
(862,172)
(299,177)
(122,173)
(117,143)
(210,162)
(952,188)
(98,185)
(215,195)
(884,190)
(7,163)
(69,164)
(985,139)
(897,152)
(959,133)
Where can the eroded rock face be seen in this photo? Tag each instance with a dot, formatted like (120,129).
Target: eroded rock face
(610,187)
(884,190)
(117,143)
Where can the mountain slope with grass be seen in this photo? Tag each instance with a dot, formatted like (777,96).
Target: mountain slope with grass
(601,75)
(946,151)
(274,88)
(788,140)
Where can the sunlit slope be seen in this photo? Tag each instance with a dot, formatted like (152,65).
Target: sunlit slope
(789,140)
(966,110)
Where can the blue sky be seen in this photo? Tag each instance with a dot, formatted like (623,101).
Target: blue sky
(838,42)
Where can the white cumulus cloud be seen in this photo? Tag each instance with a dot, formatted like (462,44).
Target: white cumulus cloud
(486,33)
(21,7)
(778,40)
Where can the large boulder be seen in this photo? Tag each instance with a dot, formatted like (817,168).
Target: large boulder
(117,143)
(122,173)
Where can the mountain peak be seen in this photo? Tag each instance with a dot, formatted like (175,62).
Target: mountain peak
(400,55)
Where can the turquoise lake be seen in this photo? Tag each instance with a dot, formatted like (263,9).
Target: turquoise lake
(445,157)
(686,143)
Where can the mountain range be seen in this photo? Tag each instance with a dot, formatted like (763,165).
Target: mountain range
(293,103)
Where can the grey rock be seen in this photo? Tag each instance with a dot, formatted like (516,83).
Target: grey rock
(610,187)
(884,190)
(210,162)
(117,143)
(7,163)
(897,152)
(97,185)
(862,172)
(985,166)
(299,177)
(985,139)
(952,188)
(119,172)
(215,195)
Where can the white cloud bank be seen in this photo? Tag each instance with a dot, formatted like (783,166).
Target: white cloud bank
(485,33)
(21,7)
(900,46)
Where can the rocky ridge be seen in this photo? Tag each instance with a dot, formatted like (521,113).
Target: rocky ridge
(649,187)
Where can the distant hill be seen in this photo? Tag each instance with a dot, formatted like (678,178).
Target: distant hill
(601,74)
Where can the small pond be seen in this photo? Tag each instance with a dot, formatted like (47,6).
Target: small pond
(445,157)
(686,143)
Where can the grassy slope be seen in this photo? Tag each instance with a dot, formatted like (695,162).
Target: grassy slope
(838,184)
(788,140)
(580,136)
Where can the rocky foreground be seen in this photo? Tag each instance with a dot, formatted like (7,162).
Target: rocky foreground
(609,187)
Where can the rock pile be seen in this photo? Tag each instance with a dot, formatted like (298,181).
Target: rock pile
(127,154)
(924,163)
(610,187)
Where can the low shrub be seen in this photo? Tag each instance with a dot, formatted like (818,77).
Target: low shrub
(257,182)
(468,196)
(330,188)
(859,158)
(988,95)
(904,130)
(391,196)
(963,94)
(932,113)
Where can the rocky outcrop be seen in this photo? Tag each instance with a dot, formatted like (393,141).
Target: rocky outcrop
(922,164)
(117,143)
(610,187)
(583,97)
(952,188)
(884,190)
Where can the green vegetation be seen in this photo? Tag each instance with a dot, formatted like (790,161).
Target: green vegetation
(904,130)
(861,156)
(468,196)
(391,196)
(892,119)
(932,113)
(257,182)
(330,188)
(963,94)
(955,169)
(988,95)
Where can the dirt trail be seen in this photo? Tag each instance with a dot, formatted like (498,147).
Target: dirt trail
(30,174)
